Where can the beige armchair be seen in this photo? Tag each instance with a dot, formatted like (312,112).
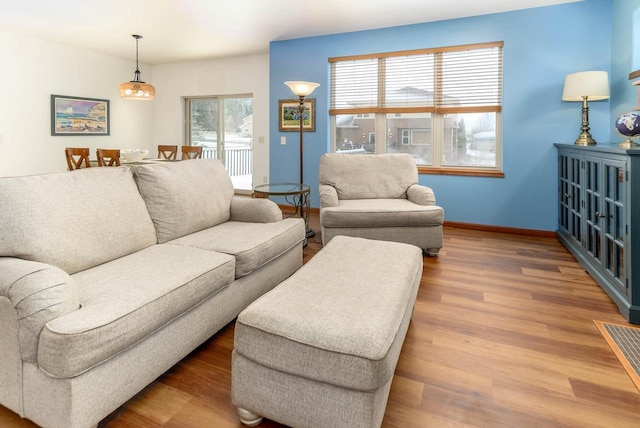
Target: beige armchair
(378,197)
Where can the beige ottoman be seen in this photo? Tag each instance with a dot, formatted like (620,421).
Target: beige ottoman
(320,349)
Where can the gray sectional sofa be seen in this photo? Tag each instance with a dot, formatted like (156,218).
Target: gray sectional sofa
(109,276)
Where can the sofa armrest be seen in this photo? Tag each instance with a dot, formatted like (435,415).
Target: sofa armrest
(254,210)
(421,195)
(38,293)
(328,196)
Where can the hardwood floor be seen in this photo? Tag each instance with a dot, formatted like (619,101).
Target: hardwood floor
(502,335)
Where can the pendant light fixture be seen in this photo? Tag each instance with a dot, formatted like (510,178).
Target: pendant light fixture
(137,89)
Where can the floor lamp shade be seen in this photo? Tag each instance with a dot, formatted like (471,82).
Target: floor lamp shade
(586,86)
(302,89)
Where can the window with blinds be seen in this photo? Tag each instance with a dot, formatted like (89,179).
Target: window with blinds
(442,105)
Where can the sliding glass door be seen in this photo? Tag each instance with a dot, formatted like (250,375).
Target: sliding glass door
(223,126)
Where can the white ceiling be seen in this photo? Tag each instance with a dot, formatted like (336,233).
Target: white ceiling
(186,30)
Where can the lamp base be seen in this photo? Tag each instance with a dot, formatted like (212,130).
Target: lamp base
(585,139)
(310,232)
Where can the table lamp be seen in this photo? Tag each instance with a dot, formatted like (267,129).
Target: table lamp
(586,86)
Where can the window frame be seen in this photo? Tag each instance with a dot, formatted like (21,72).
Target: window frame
(382,108)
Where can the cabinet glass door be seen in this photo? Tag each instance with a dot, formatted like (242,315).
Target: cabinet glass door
(613,220)
(593,208)
(569,191)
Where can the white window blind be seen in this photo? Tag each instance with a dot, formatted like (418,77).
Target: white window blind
(441,80)
(354,84)
(471,79)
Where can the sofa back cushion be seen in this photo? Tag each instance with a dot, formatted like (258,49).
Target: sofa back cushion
(73,220)
(368,176)
(186,196)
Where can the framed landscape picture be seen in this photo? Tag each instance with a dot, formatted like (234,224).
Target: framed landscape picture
(79,116)
(288,119)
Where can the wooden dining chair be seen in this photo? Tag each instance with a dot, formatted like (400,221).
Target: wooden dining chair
(76,157)
(167,152)
(191,152)
(108,157)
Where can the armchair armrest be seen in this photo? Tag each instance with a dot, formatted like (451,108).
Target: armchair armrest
(421,195)
(328,196)
(254,210)
(38,293)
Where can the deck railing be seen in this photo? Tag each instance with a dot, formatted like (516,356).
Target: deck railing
(237,160)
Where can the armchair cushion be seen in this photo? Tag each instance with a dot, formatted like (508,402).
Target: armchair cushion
(359,176)
(381,213)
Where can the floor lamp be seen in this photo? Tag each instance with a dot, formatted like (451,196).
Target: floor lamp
(302,89)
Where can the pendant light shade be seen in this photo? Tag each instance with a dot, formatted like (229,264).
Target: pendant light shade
(136,89)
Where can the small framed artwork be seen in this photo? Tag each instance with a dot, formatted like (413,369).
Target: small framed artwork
(79,116)
(288,115)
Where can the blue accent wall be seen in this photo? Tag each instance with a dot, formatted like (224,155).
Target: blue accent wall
(625,58)
(541,46)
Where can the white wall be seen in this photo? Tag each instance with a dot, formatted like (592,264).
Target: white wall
(31,71)
(34,69)
(227,76)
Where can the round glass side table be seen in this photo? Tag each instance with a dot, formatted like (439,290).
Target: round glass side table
(295,194)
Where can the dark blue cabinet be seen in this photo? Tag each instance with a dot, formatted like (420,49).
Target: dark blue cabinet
(599,198)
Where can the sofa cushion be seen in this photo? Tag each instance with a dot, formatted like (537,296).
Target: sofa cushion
(381,213)
(128,299)
(73,220)
(252,244)
(185,197)
(368,176)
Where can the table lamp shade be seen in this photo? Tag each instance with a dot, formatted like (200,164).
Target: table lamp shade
(591,84)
